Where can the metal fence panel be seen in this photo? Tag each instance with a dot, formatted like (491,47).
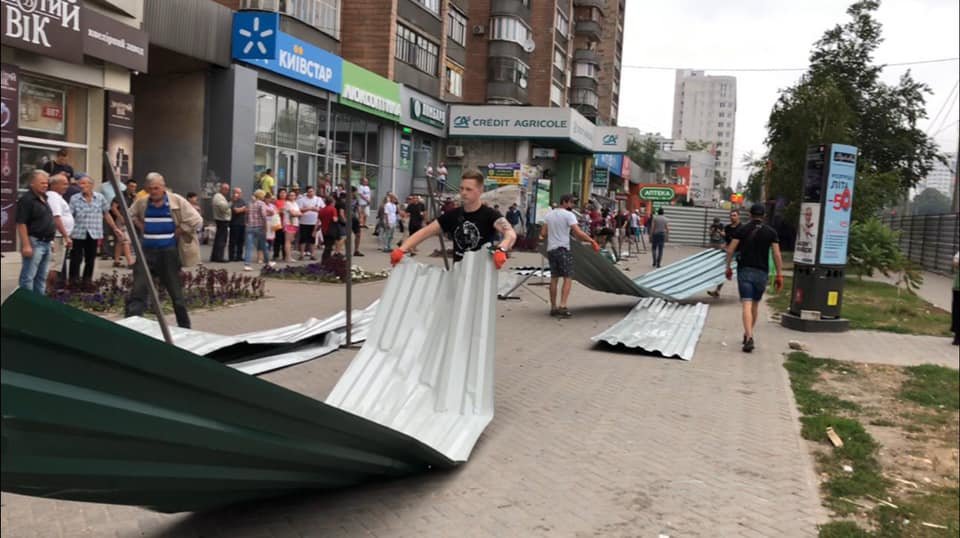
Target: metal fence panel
(929,241)
(657,326)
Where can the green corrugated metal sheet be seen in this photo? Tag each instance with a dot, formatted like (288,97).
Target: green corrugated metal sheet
(93,411)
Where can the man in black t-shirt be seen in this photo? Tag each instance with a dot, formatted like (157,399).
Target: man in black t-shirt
(414,212)
(470,226)
(753,242)
(729,232)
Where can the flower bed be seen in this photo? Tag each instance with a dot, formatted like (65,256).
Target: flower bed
(202,288)
(332,270)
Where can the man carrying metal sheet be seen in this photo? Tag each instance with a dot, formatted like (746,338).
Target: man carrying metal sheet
(729,231)
(470,226)
(753,243)
(557,227)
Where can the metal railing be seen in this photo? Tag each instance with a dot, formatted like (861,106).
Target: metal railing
(930,241)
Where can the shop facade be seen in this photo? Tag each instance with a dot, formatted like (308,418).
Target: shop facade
(66,80)
(313,113)
(421,142)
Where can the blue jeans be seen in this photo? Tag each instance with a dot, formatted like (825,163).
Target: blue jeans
(656,246)
(33,274)
(256,240)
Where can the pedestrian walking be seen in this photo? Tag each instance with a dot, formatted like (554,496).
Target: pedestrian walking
(754,242)
(238,225)
(729,231)
(36,229)
(168,225)
(557,226)
(291,224)
(63,220)
(280,231)
(470,226)
(90,210)
(221,219)
(659,228)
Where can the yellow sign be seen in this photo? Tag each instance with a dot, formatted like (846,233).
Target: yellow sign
(833,298)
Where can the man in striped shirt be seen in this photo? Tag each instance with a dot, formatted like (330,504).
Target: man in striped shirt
(167,223)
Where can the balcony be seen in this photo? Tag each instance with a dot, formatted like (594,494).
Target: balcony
(585,83)
(510,7)
(599,4)
(586,56)
(506,92)
(586,101)
(589,29)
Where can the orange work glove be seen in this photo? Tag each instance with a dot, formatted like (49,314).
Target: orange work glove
(778,283)
(729,273)
(596,246)
(499,258)
(396,256)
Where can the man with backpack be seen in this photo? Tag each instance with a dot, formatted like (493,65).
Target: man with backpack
(753,243)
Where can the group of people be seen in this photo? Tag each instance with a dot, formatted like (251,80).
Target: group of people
(52,220)
(277,227)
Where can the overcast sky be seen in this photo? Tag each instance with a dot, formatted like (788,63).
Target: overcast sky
(712,35)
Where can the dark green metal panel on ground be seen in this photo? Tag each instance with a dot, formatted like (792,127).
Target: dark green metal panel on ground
(93,411)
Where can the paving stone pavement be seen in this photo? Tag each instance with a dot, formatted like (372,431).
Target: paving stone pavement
(586,441)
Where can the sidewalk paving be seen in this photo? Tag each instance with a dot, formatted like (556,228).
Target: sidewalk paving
(585,441)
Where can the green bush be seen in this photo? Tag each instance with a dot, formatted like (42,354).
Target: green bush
(874,247)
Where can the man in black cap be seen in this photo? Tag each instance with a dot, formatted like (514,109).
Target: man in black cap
(753,242)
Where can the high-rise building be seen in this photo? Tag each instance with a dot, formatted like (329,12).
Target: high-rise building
(941,176)
(705,109)
(554,53)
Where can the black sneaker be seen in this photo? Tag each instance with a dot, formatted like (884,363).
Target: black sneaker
(563,313)
(748,345)
(358,253)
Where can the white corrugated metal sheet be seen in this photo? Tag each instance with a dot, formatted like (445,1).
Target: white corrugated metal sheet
(694,274)
(262,351)
(657,326)
(426,368)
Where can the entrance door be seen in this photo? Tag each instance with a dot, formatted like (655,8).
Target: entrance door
(287,169)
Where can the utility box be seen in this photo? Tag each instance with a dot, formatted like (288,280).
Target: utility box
(820,254)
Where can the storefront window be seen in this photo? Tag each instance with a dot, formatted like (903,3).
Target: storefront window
(307,128)
(266,118)
(53,116)
(286,122)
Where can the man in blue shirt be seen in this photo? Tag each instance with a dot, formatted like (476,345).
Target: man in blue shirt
(168,224)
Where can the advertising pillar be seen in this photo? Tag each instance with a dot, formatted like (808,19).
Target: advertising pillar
(9,114)
(820,256)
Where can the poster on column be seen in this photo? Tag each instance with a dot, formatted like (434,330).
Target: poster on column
(838,204)
(808,232)
(120,134)
(9,77)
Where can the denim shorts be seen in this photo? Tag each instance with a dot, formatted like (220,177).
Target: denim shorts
(751,283)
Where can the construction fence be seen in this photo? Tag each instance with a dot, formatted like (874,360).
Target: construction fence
(930,241)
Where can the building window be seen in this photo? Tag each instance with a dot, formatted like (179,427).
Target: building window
(723,105)
(559,59)
(416,50)
(586,70)
(457,26)
(563,24)
(510,29)
(323,15)
(723,89)
(454,80)
(433,6)
(585,97)
(556,94)
(509,70)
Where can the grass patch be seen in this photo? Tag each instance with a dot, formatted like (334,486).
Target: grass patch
(941,507)
(932,386)
(804,372)
(843,529)
(882,307)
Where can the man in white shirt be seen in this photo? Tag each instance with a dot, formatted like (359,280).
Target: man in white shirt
(364,201)
(556,230)
(63,220)
(310,206)
(389,222)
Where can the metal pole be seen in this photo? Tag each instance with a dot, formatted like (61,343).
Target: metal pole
(138,249)
(436,215)
(349,245)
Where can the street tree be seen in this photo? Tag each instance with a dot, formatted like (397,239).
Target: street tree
(841,99)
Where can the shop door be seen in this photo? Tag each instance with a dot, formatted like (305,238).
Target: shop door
(287,169)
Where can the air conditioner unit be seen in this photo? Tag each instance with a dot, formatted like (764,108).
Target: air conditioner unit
(479,29)
(455,151)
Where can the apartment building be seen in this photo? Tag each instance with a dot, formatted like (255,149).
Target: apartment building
(705,109)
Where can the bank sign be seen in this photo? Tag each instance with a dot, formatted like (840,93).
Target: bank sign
(368,91)
(257,40)
(48,27)
(521,122)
